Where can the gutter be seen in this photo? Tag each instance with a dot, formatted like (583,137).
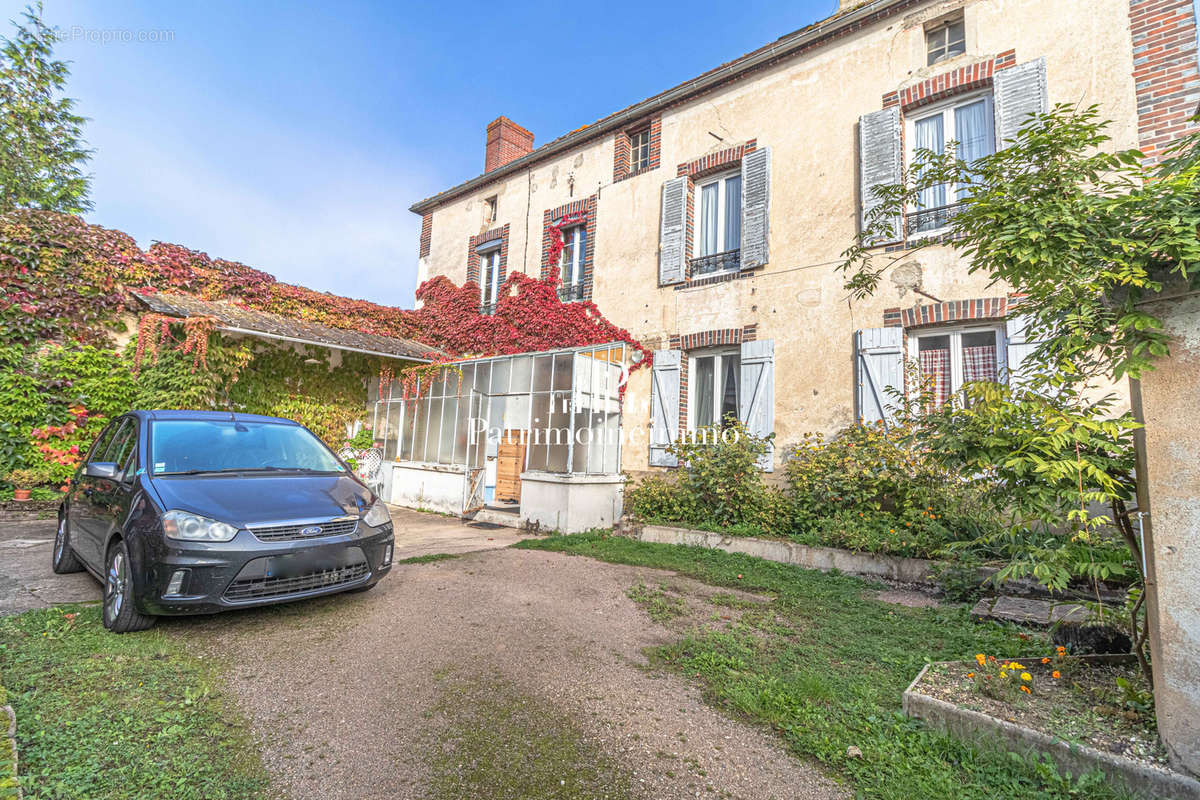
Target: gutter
(264,334)
(781,48)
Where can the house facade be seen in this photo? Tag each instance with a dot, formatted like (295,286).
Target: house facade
(709,220)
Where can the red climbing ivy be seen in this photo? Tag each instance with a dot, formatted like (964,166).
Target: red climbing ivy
(155,329)
(67,280)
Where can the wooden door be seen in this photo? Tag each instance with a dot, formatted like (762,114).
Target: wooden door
(510,461)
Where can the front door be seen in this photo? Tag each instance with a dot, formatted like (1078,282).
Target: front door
(510,462)
(473,495)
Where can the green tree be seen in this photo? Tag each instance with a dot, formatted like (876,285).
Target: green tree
(1085,233)
(42,152)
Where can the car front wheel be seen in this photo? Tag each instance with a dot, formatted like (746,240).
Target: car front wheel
(64,560)
(119,614)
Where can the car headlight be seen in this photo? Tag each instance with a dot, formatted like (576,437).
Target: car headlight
(195,528)
(377,515)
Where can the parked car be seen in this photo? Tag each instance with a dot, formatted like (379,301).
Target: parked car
(194,512)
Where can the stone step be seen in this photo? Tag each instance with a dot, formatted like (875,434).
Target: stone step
(1026,611)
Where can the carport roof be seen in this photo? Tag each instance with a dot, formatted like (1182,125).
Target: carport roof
(263,324)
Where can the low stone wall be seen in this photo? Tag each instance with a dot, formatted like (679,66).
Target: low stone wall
(1140,779)
(908,570)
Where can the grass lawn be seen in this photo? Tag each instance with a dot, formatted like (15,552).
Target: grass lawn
(825,664)
(137,716)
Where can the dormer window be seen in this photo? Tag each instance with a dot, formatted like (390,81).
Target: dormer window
(945,39)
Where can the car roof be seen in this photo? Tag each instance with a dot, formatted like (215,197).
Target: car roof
(163,413)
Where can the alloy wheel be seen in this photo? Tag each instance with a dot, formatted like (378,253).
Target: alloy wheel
(114,585)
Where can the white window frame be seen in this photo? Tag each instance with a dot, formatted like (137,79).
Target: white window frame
(944,109)
(943,29)
(489,278)
(634,160)
(721,211)
(719,354)
(956,333)
(575,232)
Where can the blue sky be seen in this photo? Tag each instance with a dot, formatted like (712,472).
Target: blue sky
(294,136)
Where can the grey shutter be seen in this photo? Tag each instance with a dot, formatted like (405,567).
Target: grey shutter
(879,364)
(756,208)
(1020,347)
(1018,92)
(671,239)
(664,406)
(879,162)
(756,395)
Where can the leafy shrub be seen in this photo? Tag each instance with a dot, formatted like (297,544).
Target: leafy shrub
(876,490)
(718,487)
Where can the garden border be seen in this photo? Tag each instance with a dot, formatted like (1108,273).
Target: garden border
(898,568)
(985,730)
(8,769)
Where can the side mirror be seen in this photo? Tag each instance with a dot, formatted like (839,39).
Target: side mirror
(107,470)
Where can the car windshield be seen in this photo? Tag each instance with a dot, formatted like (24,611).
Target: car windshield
(191,446)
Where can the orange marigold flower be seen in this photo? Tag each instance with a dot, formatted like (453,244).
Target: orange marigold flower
(1056,674)
(1045,660)
(979,657)
(1025,689)
(970,674)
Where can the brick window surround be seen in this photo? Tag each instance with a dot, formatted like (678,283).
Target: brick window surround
(695,341)
(1165,71)
(473,242)
(712,162)
(961,80)
(586,208)
(622,169)
(981,308)
(426,235)
(697,169)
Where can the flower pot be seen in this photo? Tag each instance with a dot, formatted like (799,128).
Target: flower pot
(20,494)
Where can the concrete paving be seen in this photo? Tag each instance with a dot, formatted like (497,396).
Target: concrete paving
(27,582)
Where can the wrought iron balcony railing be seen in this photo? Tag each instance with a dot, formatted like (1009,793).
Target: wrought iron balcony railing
(571,293)
(926,220)
(728,261)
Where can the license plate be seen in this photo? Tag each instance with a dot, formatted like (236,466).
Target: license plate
(305,562)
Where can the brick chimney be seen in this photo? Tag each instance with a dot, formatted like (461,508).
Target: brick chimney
(506,141)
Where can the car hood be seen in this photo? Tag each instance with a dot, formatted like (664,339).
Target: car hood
(243,500)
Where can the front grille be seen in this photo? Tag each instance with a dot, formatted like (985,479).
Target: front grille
(259,588)
(286,533)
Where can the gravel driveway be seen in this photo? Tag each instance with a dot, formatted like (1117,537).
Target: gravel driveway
(377,695)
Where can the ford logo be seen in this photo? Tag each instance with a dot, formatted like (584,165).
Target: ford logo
(311,530)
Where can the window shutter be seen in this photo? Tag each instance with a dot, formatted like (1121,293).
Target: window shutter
(1020,348)
(879,162)
(879,365)
(664,406)
(1018,92)
(756,208)
(756,402)
(671,239)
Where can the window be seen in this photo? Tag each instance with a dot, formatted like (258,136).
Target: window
(571,266)
(491,207)
(639,150)
(967,121)
(489,284)
(945,40)
(948,358)
(719,224)
(713,386)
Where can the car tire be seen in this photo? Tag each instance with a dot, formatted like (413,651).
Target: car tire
(63,559)
(118,612)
